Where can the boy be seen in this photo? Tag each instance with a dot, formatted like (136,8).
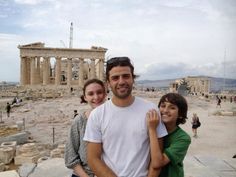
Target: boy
(173,108)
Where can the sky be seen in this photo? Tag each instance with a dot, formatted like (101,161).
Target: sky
(165,39)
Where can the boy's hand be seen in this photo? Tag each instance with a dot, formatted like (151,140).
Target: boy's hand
(152,119)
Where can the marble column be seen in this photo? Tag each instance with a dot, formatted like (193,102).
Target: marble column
(69,71)
(46,71)
(32,71)
(28,69)
(101,69)
(81,72)
(58,71)
(23,71)
(37,72)
(41,71)
(92,69)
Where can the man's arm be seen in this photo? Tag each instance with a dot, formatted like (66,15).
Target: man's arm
(94,152)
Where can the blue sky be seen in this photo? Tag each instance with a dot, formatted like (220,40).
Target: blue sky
(165,39)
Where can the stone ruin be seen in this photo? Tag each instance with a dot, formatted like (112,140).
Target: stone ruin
(72,66)
(47,72)
(28,153)
(17,149)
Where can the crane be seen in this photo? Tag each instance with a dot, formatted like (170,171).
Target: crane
(63,43)
(70,39)
(71,35)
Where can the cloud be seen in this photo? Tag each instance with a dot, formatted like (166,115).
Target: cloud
(10,60)
(31,2)
(176,37)
(156,71)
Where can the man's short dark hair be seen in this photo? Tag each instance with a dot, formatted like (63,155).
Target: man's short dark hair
(119,61)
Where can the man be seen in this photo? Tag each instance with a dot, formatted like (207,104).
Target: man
(117,135)
(8,108)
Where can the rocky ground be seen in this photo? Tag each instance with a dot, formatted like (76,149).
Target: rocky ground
(216,136)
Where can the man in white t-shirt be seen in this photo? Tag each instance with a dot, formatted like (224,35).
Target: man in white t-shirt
(116,132)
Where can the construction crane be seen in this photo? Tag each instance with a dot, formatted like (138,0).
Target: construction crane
(71,35)
(70,39)
(63,43)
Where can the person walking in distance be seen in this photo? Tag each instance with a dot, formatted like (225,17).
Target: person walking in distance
(218,101)
(75,151)
(118,143)
(8,109)
(195,124)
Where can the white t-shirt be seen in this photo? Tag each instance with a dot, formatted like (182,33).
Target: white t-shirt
(124,136)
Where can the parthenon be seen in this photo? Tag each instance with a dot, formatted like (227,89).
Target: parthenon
(72,65)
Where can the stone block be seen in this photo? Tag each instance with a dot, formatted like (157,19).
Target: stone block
(11,173)
(51,168)
(20,138)
(26,169)
(20,125)
(227,113)
(56,153)
(17,150)
(2,166)
(44,153)
(29,150)
(6,154)
(23,159)
(41,159)
(61,147)
(11,144)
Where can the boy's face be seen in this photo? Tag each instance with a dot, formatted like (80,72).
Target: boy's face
(169,112)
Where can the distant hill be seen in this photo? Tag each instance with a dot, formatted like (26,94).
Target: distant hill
(217,84)
(155,83)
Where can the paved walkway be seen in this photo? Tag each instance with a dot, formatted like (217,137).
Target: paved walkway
(209,166)
(195,166)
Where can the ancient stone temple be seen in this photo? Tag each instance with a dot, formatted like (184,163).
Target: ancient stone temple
(195,83)
(199,84)
(42,65)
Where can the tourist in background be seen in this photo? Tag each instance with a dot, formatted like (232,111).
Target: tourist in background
(195,124)
(75,152)
(173,108)
(231,99)
(82,100)
(75,114)
(116,131)
(218,101)
(8,109)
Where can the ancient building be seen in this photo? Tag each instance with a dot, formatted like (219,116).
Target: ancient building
(60,66)
(196,84)
(199,84)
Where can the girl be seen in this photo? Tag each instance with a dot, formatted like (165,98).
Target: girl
(195,124)
(94,93)
(173,108)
